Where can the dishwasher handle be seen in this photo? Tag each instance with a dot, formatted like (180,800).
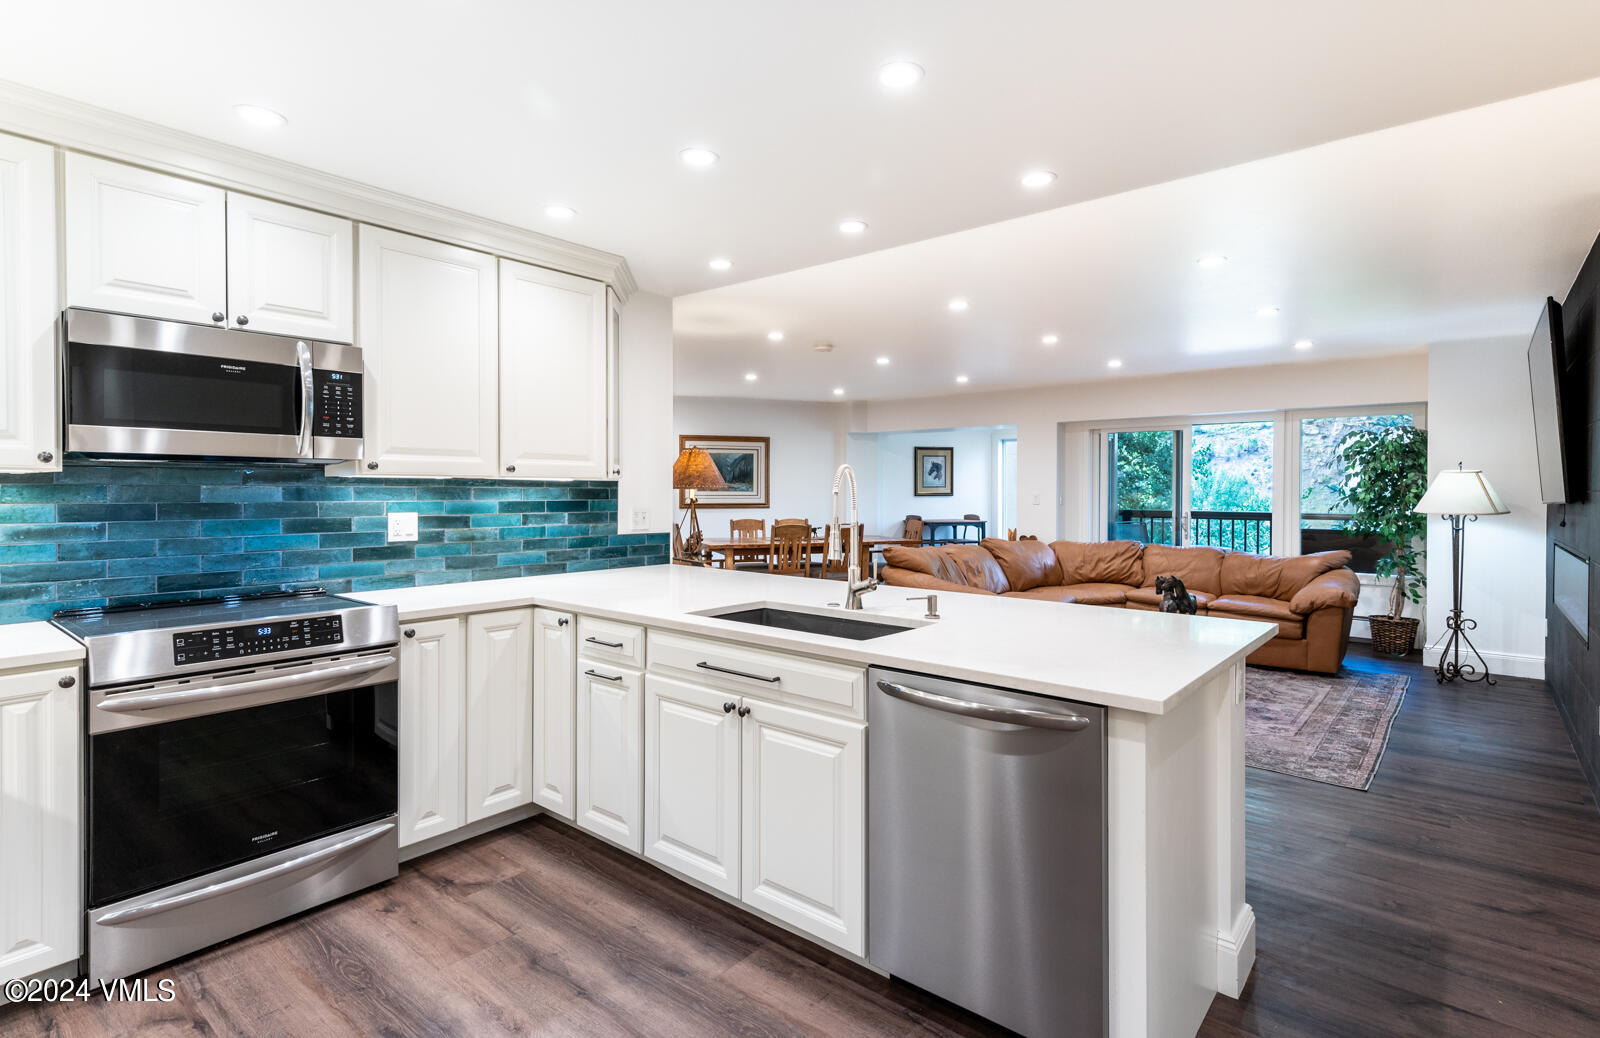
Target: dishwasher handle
(1065,721)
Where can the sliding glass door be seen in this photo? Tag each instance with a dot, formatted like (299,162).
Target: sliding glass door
(1206,483)
(1142,486)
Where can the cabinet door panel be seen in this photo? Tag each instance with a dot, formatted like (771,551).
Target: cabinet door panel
(30,435)
(804,821)
(553,379)
(499,712)
(611,753)
(290,271)
(41,864)
(431,688)
(428,342)
(691,782)
(144,243)
(554,711)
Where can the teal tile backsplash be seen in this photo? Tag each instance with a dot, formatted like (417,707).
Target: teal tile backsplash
(112,534)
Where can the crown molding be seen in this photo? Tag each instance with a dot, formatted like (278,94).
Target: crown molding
(76,126)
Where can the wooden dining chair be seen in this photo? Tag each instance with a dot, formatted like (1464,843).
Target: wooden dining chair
(912,530)
(844,543)
(791,547)
(748,530)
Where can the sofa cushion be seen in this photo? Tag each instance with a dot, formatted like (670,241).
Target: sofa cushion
(1150,598)
(1337,589)
(1199,568)
(1274,576)
(1259,607)
(1098,593)
(1026,564)
(969,564)
(1049,593)
(1100,562)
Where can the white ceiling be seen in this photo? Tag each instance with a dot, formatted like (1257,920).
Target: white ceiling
(1453,227)
(501,107)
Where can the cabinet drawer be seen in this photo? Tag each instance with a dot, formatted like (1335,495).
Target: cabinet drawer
(622,644)
(762,672)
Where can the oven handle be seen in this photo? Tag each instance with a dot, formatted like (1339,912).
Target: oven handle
(302,357)
(166,904)
(129,704)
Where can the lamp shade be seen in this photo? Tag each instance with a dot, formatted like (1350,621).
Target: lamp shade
(1460,491)
(694,470)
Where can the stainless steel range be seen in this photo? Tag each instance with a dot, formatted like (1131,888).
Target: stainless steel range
(242,766)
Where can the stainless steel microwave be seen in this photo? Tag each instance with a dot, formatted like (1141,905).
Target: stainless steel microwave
(138,387)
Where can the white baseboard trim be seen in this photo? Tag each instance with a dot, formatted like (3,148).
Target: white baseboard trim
(1236,953)
(468,831)
(1509,664)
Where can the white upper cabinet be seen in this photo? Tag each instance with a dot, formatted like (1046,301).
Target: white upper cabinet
(290,271)
(30,434)
(428,341)
(145,243)
(554,387)
(554,711)
(499,744)
(614,383)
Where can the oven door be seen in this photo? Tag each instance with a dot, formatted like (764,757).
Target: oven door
(215,773)
(136,386)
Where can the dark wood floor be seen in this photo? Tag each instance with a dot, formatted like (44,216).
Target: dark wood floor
(1460,895)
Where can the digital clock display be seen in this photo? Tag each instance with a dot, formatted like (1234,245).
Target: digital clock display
(223,643)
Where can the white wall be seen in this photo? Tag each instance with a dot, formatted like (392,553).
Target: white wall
(808,443)
(648,444)
(974,469)
(1480,413)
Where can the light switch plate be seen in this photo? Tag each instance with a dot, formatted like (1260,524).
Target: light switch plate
(641,518)
(402,526)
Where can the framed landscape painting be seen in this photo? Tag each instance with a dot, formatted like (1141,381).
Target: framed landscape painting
(744,465)
(935,475)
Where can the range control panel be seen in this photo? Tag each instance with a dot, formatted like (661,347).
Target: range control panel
(337,407)
(226,643)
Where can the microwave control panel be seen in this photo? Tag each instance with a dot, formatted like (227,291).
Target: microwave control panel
(337,405)
(227,643)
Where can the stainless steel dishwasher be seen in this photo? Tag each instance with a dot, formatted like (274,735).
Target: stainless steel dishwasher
(986,849)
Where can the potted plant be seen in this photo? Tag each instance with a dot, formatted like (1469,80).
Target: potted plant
(1386,472)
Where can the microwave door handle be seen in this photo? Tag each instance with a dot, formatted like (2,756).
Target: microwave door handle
(302,356)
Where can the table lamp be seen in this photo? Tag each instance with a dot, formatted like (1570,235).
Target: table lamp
(693,472)
(1458,495)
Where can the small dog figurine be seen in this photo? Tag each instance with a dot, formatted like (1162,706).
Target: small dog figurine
(1175,598)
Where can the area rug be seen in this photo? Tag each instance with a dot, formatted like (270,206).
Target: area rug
(1327,728)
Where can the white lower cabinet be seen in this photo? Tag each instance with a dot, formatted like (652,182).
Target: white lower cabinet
(691,766)
(555,706)
(499,712)
(41,861)
(610,783)
(432,705)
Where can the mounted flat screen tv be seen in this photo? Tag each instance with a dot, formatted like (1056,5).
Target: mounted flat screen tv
(1545,355)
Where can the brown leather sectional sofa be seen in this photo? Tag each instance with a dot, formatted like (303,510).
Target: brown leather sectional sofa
(1310,597)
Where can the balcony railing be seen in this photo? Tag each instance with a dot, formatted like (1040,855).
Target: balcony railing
(1236,531)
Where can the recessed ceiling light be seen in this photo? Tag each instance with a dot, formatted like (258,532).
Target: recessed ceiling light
(957,304)
(749,376)
(838,391)
(1037,178)
(560,212)
(883,362)
(1303,344)
(961,379)
(1212,261)
(698,158)
(1049,340)
(1267,311)
(852,226)
(720,263)
(899,75)
(256,115)
(774,336)
(1113,363)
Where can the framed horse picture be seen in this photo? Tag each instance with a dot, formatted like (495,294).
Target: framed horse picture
(935,472)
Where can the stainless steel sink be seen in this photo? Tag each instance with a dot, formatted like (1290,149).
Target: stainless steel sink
(767,614)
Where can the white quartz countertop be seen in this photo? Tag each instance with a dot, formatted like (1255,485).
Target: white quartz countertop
(1128,659)
(35,644)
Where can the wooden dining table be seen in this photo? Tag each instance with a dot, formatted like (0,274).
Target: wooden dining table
(731,549)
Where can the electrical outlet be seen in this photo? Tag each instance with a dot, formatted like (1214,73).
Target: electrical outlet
(641,518)
(1036,499)
(402,526)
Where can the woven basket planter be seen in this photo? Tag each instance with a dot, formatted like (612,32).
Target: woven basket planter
(1393,636)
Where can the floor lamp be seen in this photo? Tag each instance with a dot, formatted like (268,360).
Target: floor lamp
(1458,495)
(693,472)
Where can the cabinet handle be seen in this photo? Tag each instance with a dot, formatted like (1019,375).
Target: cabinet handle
(411,632)
(562,621)
(242,320)
(729,708)
(744,711)
(372,465)
(703,665)
(603,677)
(67,682)
(511,468)
(46,457)
(219,317)
(609,645)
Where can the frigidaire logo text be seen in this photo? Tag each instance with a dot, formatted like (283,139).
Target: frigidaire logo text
(231,367)
(264,837)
